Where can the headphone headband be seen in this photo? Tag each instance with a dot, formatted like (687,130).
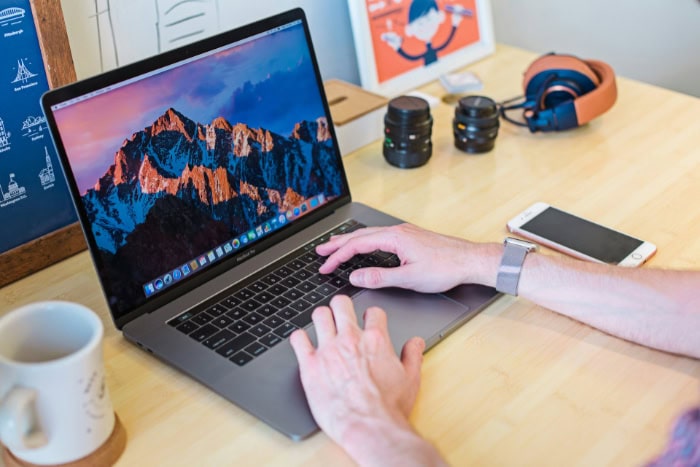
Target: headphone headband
(564,91)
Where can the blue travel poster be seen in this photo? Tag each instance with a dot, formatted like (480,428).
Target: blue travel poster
(34,198)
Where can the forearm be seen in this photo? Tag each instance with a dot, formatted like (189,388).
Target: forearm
(653,307)
(381,440)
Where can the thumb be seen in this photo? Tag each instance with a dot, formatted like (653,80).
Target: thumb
(412,358)
(377,277)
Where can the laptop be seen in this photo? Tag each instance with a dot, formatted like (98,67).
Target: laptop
(204,178)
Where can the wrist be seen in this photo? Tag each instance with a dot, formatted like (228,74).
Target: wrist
(481,262)
(386,439)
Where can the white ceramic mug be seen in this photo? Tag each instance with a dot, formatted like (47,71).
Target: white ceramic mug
(54,404)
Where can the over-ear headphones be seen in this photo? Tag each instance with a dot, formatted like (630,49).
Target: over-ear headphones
(563,92)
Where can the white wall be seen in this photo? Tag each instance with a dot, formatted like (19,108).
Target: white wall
(137,26)
(655,41)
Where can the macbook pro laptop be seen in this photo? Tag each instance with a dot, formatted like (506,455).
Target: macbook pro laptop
(204,178)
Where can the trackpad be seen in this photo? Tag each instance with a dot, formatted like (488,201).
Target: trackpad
(412,314)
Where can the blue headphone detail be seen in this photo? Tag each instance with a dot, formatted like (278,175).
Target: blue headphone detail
(563,92)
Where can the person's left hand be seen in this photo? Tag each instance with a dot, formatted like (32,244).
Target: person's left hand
(354,379)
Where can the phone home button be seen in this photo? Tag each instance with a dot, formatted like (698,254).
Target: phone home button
(636,256)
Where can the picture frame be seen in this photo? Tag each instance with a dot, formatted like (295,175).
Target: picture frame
(402,44)
(67,239)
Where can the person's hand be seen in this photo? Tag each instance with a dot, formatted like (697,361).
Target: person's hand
(430,262)
(392,39)
(354,375)
(456,19)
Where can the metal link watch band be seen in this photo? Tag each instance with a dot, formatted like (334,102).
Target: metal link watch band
(514,253)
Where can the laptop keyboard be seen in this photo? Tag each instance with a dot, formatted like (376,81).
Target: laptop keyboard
(241,325)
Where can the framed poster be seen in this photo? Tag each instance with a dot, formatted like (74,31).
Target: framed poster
(39,223)
(401,44)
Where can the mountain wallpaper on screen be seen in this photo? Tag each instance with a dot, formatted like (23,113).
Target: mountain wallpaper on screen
(178,188)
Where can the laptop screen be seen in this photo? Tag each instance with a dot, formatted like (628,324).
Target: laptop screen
(184,166)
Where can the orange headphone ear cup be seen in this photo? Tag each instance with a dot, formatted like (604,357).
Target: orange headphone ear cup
(563,91)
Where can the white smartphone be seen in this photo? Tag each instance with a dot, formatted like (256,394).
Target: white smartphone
(579,237)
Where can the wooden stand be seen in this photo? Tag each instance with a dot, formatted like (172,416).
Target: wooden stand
(107,454)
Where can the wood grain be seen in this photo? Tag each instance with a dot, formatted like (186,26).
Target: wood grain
(518,384)
(58,61)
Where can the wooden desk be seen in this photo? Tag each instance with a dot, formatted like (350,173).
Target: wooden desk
(518,385)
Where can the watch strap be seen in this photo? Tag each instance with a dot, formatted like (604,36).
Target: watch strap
(514,253)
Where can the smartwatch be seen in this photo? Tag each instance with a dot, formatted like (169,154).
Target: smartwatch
(514,253)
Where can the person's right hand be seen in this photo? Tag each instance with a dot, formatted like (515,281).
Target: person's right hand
(430,262)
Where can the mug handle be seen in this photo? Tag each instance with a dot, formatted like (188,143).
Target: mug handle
(19,425)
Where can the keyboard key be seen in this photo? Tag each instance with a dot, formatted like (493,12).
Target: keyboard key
(290,281)
(187,327)
(273,321)
(313,297)
(252,318)
(287,314)
(239,326)
(244,294)
(259,330)
(257,286)
(296,264)
(348,290)
(270,340)
(303,274)
(309,257)
(284,271)
(306,287)
(241,358)
(300,305)
(318,279)
(255,349)
(180,319)
(285,330)
(222,322)
(233,346)
(293,294)
(264,297)
(217,310)
(326,289)
(218,339)
(267,310)
(202,319)
(251,305)
(230,301)
(203,332)
(277,289)
(237,313)
(302,319)
(280,302)
(270,279)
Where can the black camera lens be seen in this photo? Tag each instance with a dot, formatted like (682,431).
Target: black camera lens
(475,124)
(407,128)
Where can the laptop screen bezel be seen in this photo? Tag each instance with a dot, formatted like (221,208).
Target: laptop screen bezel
(110,78)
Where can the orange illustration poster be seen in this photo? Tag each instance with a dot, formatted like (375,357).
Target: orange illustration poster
(409,34)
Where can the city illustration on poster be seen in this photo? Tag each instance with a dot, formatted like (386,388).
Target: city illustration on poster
(34,199)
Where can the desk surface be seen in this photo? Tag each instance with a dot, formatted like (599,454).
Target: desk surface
(518,385)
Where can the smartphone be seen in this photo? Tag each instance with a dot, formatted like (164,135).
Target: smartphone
(579,237)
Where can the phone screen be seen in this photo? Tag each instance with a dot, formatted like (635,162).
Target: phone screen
(581,235)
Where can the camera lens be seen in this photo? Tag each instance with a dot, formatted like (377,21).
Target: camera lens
(407,128)
(475,124)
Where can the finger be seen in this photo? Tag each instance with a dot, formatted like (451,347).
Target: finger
(303,348)
(412,358)
(375,318)
(363,244)
(378,277)
(324,324)
(344,313)
(336,241)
